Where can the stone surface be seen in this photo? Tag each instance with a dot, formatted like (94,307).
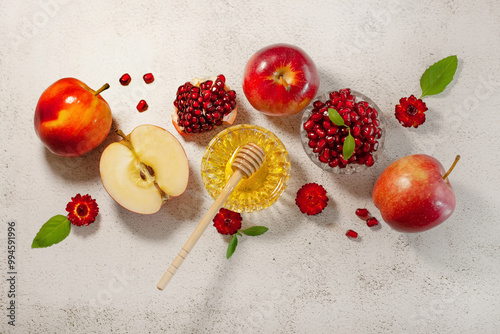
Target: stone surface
(304,275)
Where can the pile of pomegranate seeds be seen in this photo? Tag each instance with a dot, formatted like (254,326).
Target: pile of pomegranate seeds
(125,79)
(326,139)
(148,78)
(200,109)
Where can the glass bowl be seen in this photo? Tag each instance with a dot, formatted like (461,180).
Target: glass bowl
(260,190)
(352,167)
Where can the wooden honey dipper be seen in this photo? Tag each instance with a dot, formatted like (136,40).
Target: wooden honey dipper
(248,160)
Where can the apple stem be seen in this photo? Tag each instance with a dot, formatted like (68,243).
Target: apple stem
(284,83)
(451,168)
(100,90)
(120,133)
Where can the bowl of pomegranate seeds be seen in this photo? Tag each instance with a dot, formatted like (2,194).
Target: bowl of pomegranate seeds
(342,131)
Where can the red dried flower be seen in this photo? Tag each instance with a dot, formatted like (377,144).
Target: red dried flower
(311,198)
(227,221)
(82,210)
(410,111)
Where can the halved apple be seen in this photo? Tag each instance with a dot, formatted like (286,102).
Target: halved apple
(145,169)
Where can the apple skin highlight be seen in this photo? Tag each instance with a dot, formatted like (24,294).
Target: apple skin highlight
(70,120)
(412,195)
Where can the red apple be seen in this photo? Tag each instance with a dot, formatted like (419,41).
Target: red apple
(280,80)
(71,119)
(414,194)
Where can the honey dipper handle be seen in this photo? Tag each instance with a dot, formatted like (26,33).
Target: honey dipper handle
(202,226)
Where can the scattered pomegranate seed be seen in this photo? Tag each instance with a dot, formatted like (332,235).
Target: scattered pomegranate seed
(351,234)
(148,78)
(372,222)
(125,79)
(363,214)
(142,106)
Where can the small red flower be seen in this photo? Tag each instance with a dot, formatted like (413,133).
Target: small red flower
(311,199)
(411,111)
(227,221)
(82,210)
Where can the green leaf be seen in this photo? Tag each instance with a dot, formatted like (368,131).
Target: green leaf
(349,146)
(438,76)
(255,230)
(335,117)
(232,246)
(55,230)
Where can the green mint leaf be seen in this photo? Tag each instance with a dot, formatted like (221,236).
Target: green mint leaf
(335,117)
(349,146)
(438,76)
(232,246)
(255,230)
(55,230)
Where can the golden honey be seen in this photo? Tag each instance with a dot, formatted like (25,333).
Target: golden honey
(261,189)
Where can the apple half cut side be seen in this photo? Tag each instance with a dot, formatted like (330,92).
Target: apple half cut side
(145,169)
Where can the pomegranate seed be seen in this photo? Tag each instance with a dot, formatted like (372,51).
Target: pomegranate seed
(318,104)
(321,133)
(313,143)
(125,79)
(333,163)
(312,135)
(367,131)
(308,126)
(342,160)
(148,78)
(369,161)
(331,131)
(356,131)
(323,159)
(321,144)
(317,117)
(142,106)
(221,78)
(351,234)
(372,222)
(363,214)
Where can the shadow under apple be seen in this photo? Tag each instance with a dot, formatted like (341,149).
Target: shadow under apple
(82,168)
(185,208)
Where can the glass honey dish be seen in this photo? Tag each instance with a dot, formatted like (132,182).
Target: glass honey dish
(260,190)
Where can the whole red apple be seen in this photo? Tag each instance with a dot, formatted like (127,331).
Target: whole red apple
(414,194)
(71,119)
(280,80)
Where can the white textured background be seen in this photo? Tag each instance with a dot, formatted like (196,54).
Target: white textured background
(304,275)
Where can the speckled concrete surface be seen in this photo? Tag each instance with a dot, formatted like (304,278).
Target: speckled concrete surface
(304,275)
